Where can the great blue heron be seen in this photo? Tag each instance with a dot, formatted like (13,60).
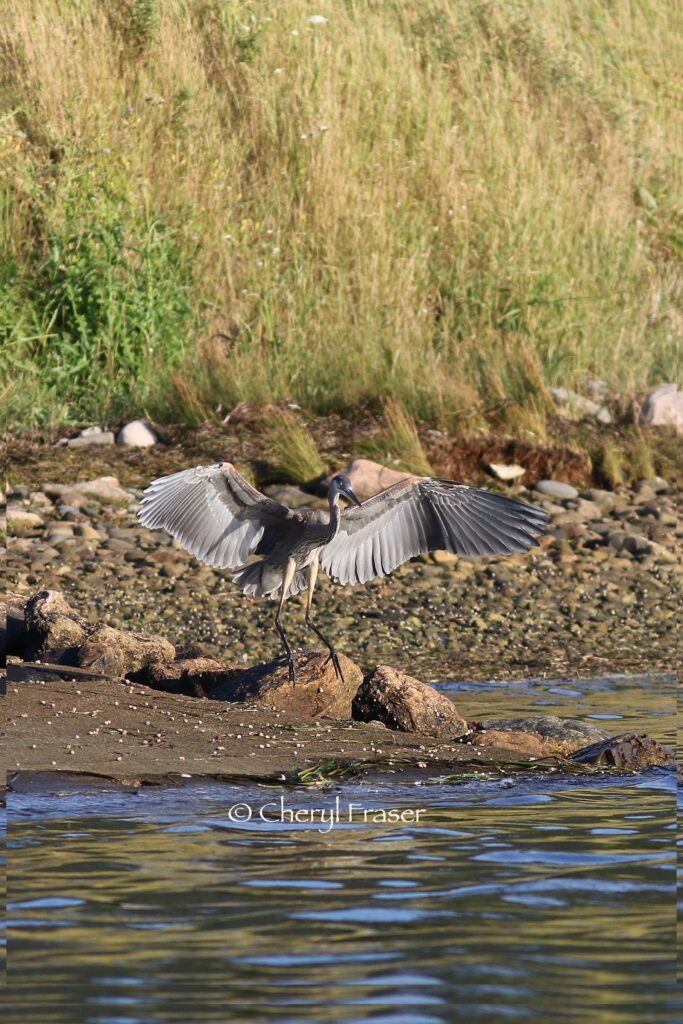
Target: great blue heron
(223,521)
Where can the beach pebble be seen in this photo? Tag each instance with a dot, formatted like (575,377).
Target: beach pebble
(556,489)
(105,490)
(20,520)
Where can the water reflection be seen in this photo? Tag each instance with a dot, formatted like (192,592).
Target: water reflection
(529,898)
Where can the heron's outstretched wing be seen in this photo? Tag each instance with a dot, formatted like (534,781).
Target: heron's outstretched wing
(213,512)
(423,514)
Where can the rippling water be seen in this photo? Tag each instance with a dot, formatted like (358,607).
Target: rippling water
(532,897)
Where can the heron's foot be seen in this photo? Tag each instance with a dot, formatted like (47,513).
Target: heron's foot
(334,658)
(290,662)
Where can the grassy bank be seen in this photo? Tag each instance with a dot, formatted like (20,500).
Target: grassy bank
(453,203)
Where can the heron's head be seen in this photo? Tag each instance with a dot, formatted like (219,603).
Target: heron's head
(340,484)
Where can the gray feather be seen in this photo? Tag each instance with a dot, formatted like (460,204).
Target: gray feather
(214,513)
(424,514)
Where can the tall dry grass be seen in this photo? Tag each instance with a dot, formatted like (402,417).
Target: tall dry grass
(454,203)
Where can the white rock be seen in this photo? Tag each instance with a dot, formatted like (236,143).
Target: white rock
(317,19)
(136,434)
(663,407)
(506,472)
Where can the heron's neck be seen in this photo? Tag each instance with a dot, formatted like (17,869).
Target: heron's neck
(335,516)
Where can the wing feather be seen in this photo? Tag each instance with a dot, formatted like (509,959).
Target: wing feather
(213,512)
(424,514)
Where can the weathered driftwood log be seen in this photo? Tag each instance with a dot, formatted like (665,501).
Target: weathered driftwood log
(55,633)
(195,676)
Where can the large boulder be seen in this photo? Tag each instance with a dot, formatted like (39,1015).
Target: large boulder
(368,478)
(533,737)
(517,745)
(293,497)
(318,692)
(111,652)
(105,490)
(53,630)
(407,705)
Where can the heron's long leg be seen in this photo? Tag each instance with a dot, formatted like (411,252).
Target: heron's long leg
(312,577)
(287,577)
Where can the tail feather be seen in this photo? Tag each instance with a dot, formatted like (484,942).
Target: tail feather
(258,579)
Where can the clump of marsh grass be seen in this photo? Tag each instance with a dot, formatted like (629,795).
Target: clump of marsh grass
(610,462)
(399,441)
(291,450)
(640,458)
(203,387)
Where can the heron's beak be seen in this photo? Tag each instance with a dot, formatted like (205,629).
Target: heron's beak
(352,497)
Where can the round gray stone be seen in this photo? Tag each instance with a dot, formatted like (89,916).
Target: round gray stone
(556,489)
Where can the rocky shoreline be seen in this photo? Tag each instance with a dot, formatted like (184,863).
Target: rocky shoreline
(602,594)
(127,706)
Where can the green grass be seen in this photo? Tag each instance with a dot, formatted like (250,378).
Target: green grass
(399,443)
(629,455)
(610,463)
(290,449)
(450,203)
